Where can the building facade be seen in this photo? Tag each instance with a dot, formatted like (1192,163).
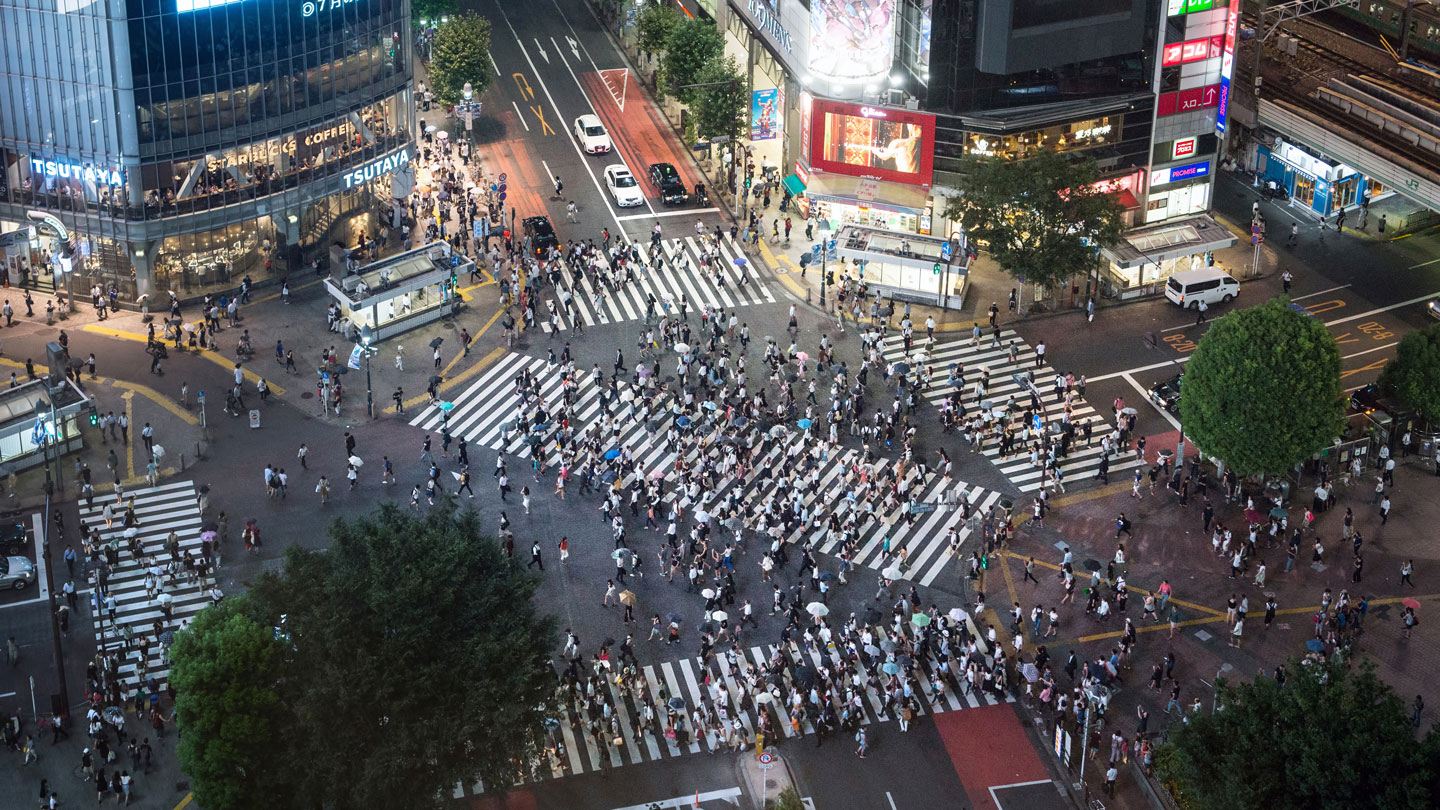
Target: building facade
(181,145)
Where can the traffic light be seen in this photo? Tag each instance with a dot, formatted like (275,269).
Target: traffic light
(94,418)
(936,269)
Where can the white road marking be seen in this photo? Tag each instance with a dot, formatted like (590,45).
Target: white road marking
(1146,395)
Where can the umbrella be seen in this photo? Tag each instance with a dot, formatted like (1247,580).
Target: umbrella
(817,609)
(891,668)
(682,348)
(158,452)
(609,476)
(902,368)
(709,405)
(1315,645)
(920,620)
(357,461)
(442,135)
(612,454)
(919,357)
(804,356)
(627,598)
(826,576)
(1253,516)
(683,421)
(740,261)
(887,645)
(804,424)
(719,616)
(701,516)
(674,618)
(872,650)
(1091,565)
(892,573)
(1128,411)
(1413,604)
(619,554)
(1277,512)
(435,344)
(431,128)
(764,697)
(1167,453)
(436,379)
(1031,673)
(677,703)
(957,614)
(708,593)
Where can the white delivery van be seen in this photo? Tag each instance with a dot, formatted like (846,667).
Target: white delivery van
(1209,284)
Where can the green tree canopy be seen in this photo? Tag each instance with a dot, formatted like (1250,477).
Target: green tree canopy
(1262,391)
(722,107)
(691,45)
(654,24)
(226,670)
(1042,218)
(432,10)
(1414,375)
(460,54)
(1329,739)
(415,660)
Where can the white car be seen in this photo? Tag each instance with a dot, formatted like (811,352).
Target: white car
(623,187)
(592,135)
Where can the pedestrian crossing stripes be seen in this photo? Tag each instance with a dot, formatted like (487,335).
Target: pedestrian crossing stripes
(627,723)
(159,510)
(919,544)
(1011,361)
(726,287)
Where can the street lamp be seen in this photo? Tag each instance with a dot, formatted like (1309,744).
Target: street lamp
(367,336)
(46,539)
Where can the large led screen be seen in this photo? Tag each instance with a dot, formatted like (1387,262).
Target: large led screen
(884,143)
(851,40)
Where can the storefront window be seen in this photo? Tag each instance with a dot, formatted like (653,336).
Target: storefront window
(194,263)
(1063,138)
(1304,188)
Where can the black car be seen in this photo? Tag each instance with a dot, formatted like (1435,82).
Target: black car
(1166,394)
(1367,399)
(542,235)
(668,183)
(14,537)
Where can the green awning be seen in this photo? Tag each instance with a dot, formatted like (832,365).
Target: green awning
(793,185)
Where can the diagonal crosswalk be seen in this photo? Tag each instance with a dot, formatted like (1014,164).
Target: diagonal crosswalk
(624,720)
(1010,378)
(159,510)
(681,276)
(921,544)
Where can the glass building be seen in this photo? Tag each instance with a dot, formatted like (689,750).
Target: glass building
(181,145)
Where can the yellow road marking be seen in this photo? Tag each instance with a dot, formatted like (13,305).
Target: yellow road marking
(495,354)
(209,354)
(185,802)
(129,446)
(1131,588)
(156,397)
(272,296)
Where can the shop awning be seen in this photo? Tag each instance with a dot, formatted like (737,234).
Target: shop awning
(793,185)
(896,197)
(1171,240)
(1127,199)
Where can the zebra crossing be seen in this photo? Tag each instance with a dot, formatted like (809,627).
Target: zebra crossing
(159,510)
(1009,378)
(628,742)
(919,544)
(680,276)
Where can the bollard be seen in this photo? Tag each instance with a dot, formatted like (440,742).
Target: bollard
(182,462)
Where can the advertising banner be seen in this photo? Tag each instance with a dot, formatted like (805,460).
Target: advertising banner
(851,40)
(882,143)
(764,114)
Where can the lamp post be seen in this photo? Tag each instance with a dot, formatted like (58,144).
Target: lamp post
(367,335)
(46,539)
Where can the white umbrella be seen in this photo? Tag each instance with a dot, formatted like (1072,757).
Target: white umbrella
(702,516)
(719,616)
(708,593)
(892,573)
(817,609)
(957,614)
(442,135)
(682,348)
(357,461)
(158,452)
(764,697)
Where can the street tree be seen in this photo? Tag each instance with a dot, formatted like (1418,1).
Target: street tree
(690,47)
(1414,375)
(1332,738)
(414,659)
(226,667)
(1042,219)
(653,26)
(460,54)
(1262,390)
(432,11)
(722,104)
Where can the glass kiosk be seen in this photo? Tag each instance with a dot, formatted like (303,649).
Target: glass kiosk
(905,267)
(400,293)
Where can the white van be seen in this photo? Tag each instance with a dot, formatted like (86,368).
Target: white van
(1209,284)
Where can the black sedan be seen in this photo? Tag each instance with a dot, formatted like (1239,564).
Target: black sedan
(668,184)
(1166,395)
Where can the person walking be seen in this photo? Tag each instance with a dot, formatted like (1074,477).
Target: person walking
(1406,569)
(535,559)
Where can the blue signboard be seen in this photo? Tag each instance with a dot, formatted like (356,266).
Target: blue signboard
(1222,112)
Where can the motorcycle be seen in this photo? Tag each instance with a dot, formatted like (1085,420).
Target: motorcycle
(1274,191)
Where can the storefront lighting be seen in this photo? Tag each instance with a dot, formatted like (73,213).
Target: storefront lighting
(897,80)
(292,219)
(139,253)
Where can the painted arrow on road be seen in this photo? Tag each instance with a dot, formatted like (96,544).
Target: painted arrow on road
(541,48)
(574,47)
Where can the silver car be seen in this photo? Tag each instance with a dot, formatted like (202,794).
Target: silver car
(16,572)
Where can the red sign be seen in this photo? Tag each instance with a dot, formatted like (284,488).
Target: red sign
(1185,147)
(1196,98)
(900,147)
(1193,51)
(805,102)
(802,172)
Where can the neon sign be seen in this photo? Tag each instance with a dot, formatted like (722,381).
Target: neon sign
(65,170)
(871,112)
(377,168)
(768,21)
(182,6)
(1190,171)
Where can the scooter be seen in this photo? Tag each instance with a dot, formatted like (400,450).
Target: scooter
(1274,191)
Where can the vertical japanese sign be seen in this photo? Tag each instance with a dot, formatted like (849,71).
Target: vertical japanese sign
(1227,64)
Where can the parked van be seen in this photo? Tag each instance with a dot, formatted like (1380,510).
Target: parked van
(1209,284)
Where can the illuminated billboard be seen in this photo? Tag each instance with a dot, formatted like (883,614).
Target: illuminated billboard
(765,106)
(883,143)
(851,40)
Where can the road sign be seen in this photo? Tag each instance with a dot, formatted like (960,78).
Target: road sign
(502,199)
(945,251)
(503,187)
(504,177)
(767,761)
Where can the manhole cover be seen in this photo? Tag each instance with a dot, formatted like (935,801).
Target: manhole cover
(307,394)
(771,783)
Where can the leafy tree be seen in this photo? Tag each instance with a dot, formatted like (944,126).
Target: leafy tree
(691,45)
(1329,739)
(432,10)
(722,107)
(787,799)
(654,24)
(415,659)
(1262,391)
(226,669)
(1042,218)
(1414,375)
(460,54)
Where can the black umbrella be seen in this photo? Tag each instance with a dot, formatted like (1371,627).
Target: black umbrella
(435,344)
(1091,565)
(210,526)
(435,379)
(676,703)
(674,617)
(804,675)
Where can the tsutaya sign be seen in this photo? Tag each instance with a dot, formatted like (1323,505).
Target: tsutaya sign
(377,168)
(767,18)
(66,170)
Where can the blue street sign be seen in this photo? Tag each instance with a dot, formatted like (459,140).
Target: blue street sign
(502,196)
(503,177)
(503,188)
(945,251)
